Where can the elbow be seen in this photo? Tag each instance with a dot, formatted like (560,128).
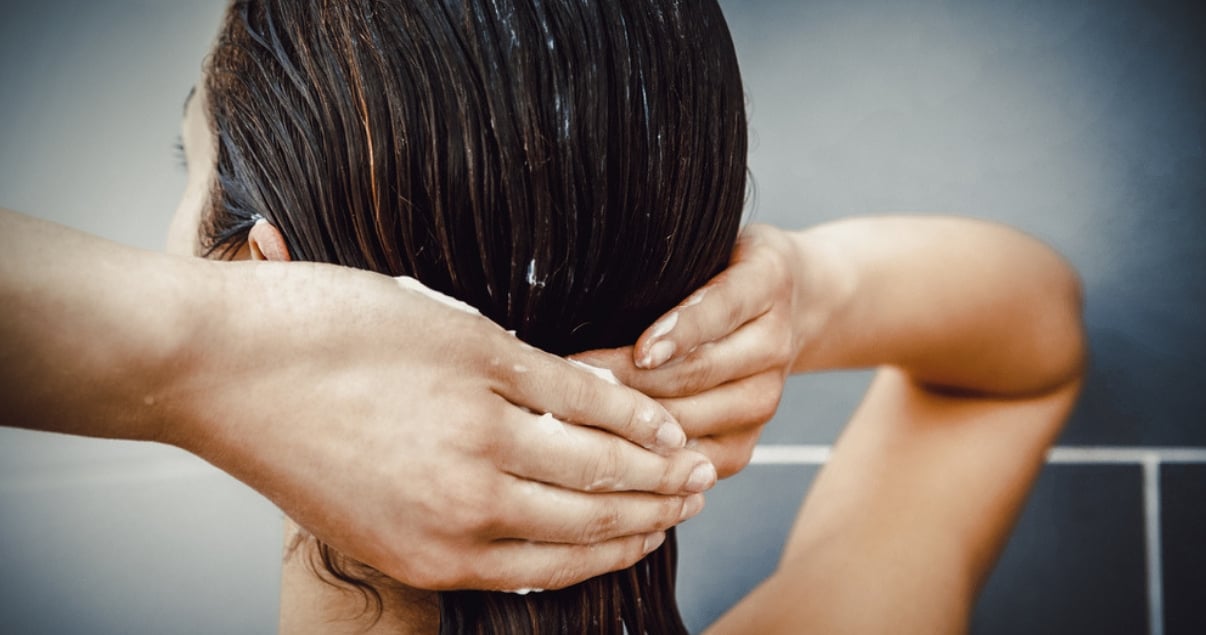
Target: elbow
(1064,338)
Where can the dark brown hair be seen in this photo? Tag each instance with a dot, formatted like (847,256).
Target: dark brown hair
(571,168)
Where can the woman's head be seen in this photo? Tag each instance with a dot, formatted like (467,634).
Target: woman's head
(570,168)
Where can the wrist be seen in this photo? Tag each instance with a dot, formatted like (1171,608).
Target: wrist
(824,290)
(189,354)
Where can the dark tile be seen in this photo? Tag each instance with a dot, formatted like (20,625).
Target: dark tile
(1075,562)
(735,543)
(1158,406)
(1183,545)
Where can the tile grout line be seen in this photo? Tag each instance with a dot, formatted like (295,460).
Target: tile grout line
(1149,458)
(1151,527)
(818,454)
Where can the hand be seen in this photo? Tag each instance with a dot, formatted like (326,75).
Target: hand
(402,432)
(719,359)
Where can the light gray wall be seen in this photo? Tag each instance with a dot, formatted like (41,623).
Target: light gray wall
(104,536)
(1081,122)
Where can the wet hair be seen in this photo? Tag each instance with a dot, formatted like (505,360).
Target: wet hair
(572,168)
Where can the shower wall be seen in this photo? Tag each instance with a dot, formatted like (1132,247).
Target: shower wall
(1083,123)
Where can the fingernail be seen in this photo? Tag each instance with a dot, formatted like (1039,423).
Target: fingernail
(701,478)
(670,436)
(654,540)
(694,299)
(663,326)
(692,506)
(658,354)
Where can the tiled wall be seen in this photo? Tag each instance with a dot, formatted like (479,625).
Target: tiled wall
(1080,122)
(1111,542)
(1083,123)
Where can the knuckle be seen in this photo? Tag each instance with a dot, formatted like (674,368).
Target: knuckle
(632,552)
(776,266)
(481,436)
(583,395)
(694,374)
(682,383)
(734,457)
(562,576)
(490,358)
(600,526)
(471,510)
(735,316)
(781,356)
(475,520)
(636,424)
(698,374)
(435,570)
(497,570)
(670,513)
(669,481)
(764,409)
(747,452)
(768,394)
(601,468)
(728,465)
(487,521)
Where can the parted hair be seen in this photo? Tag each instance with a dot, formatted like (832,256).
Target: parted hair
(572,168)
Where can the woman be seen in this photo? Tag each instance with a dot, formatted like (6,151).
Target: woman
(573,171)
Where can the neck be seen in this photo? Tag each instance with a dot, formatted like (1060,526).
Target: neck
(314,604)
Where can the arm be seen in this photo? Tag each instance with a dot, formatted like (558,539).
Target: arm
(977,330)
(960,304)
(324,389)
(980,327)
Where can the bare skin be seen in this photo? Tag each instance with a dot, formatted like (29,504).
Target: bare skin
(976,329)
(474,502)
(325,390)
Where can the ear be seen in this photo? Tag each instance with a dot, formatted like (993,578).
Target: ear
(267,243)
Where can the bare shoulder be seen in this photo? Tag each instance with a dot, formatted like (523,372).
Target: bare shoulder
(905,521)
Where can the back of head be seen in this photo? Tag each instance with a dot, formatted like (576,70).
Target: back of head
(570,168)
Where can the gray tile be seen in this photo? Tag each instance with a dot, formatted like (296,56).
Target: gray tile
(1157,406)
(816,407)
(1075,563)
(1080,123)
(735,543)
(1183,543)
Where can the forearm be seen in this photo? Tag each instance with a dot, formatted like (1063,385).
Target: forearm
(89,329)
(322,388)
(958,304)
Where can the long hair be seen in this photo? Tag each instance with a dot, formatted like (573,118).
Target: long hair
(572,168)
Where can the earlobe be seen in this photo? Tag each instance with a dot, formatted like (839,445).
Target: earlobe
(267,243)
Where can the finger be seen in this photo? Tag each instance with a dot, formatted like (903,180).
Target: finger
(735,296)
(546,383)
(757,346)
(545,513)
(730,453)
(616,360)
(733,406)
(519,565)
(541,448)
